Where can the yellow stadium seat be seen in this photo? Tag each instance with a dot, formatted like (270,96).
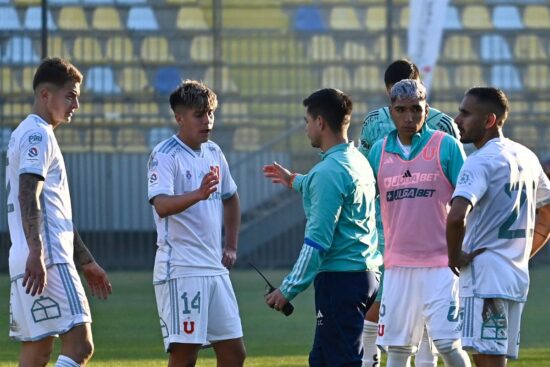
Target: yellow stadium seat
(467,76)
(227,84)
(519,106)
(23,3)
(72,18)
(114,111)
(537,77)
(459,48)
(246,139)
(145,112)
(106,18)
(368,78)
(336,77)
(155,49)
(375,19)
(404,17)
(101,140)
(134,80)
(70,140)
(528,47)
(87,49)
(322,48)
(202,48)
(57,47)
(537,17)
(542,107)
(15,112)
(476,17)
(441,80)
(119,49)
(255,18)
(355,51)
(344,18)
(131,140)
(27,75)
(8,83)
(192,19)
(380,49)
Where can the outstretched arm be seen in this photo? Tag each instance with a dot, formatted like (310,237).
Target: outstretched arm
(279,174)
(30,188)
(97,278)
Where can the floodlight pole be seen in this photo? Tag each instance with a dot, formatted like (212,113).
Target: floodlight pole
(217,10)
(389,33)
(44,32)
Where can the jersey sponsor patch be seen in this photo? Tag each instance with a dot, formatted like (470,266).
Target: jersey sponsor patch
(35,138)
(409,193)
(466,178)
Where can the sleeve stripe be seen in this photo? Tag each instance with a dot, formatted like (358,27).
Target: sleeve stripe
(301,266)
(313,244)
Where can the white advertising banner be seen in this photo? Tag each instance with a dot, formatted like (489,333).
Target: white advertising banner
(427,18)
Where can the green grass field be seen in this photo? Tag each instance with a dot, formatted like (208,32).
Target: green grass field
(126,330)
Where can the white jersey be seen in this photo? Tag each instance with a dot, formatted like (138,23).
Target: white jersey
(33,149)
(190,242)
(505,183)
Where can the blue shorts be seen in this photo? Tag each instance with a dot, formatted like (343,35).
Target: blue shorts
(341,301)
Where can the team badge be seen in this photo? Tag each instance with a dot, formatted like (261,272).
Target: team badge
(429,153)
(32,152)
(153,178)
(188,174)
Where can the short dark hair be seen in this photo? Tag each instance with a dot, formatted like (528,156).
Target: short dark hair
(56,71)
(193,94)
(399,70)
(494,100)
(332,104)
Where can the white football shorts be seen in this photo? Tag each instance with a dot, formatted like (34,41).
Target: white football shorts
(491,325)
(198,310)
(414,297)
(61,306)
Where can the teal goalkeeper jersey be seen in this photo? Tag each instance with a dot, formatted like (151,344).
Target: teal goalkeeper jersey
(338,197)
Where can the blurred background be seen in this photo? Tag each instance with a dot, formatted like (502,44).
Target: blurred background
(262,57)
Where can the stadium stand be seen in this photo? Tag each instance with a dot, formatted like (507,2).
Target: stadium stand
(344,18)
(19,50)
(120,50)
(506,77)
(528,47)
(72,18)
(142,18)
(536,16)
(309,19)
(476,17)
(507,17)
(33,19)
(494,47)
(106,19)
(101,80)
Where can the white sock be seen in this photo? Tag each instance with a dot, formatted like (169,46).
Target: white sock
(371,353)
(64,361)
(452,353)
(398,358)
(425,357)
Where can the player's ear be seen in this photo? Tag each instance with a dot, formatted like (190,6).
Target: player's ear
(491,121)
(427,109)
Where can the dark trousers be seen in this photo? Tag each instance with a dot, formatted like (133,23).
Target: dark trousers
(341,301)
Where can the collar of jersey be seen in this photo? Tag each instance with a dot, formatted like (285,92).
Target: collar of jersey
(419,140)
(336,148)
(39,119)
(186,148)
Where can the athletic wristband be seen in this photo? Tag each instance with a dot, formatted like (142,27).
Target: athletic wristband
(292,177)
